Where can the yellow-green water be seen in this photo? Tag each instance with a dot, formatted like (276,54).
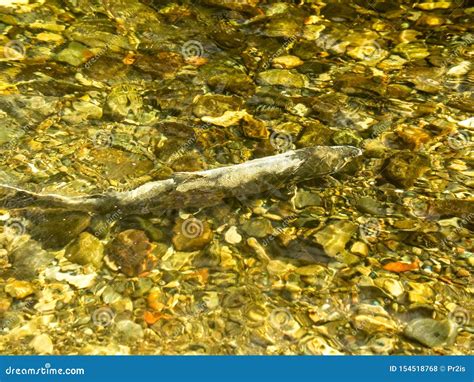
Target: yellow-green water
(109,95)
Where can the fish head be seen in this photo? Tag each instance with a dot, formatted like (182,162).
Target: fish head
(333,158)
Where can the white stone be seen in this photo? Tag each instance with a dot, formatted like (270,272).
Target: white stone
(232,236)
(42,344)
(467,122)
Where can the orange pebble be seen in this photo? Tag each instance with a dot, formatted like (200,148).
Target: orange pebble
(152,317)
(196,60)
(154,302)
(398,266)
(130,58)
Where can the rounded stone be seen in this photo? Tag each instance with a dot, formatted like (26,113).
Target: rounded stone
(430,332)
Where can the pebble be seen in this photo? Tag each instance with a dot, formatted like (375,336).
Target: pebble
(232,236)
(382,345)
(214,105)
(132,252)
(370,206)
(287,62)
(404,168)
(50,37)
(237,5)
(128,332)
(86,249)
(338,12)
(191,235)
(391,286)
(19,289)
(467,123)
(421,293)
(430,332)
(282,77)
(42,344)
(374,324)
(54,229)
(430,5)
(29,259)
(258,227)
(360,248)
(373,319)
(463,272)
(75,54)
(306,198)
(430,21)
(5,304)
(335,236)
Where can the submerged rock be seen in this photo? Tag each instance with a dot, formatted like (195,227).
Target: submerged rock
(306,198)
(132,252)
(75,54)
(373,319)
(282,77)
(19,289)
(404,168)
(54,229)
(42,344)
(430,332)
(258,227)
(287,62)
(86,249)
(237,5)
(335,236)
(215,105)
(128,332)
(191,234)
(29,259)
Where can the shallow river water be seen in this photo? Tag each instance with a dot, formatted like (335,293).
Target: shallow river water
(99,96)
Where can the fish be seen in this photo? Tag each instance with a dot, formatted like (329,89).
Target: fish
(201,188)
